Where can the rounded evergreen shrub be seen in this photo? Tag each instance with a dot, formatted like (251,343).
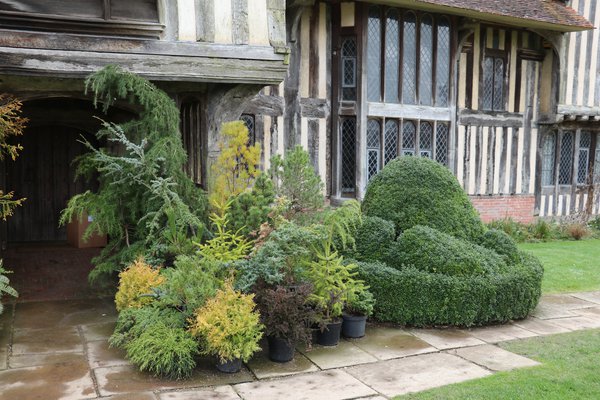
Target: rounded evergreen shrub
(413,191)
(414,297)
(501,243)
(164,351)
(373,238)
(428,249)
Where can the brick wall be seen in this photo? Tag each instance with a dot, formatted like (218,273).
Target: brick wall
(519,208)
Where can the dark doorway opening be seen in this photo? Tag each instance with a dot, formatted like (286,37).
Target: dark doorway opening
(35,248)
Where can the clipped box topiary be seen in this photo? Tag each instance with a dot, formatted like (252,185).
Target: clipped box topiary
(428,249)
(414,297)
(501,243)
(373,238)
(413,191)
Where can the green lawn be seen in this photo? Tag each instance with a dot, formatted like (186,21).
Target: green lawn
(570,266)
(569,370)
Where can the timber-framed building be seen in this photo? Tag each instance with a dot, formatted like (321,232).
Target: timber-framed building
(506,94)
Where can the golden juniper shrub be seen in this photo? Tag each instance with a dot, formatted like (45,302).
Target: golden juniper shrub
(228,325)
(137,279)
(238,163)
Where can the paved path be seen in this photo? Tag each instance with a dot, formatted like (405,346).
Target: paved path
(58,350)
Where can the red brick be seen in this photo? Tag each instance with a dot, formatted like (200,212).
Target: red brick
(519,208)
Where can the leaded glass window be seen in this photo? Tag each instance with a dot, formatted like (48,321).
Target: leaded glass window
(548,155)
(349,53)
(493,84)
(409,136)
(248,120)
(373,146)
(409,59)
(403,63)
(426,140)
(442,74)
(392,56)
(348,154)
(565,167)
(374,54)
(426,61)
(585,140)
(441,143)
(391,141)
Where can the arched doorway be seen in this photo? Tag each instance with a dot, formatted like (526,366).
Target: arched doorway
(45,266)
(45,171)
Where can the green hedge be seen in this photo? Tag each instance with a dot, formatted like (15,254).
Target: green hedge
(428,249)
(413,191)
(373,238)
(501,243)
(418,298)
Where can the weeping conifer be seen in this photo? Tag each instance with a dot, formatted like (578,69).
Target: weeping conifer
(142,185)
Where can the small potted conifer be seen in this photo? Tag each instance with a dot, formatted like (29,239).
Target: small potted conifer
(333,282)
(228,327)
(359,306)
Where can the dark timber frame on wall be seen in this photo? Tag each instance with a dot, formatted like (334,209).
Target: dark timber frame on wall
(344,111)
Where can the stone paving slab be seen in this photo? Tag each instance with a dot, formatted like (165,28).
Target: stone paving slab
(443,339)
(100,331)
(323,385)
(560,306)
(593,297)
(386,343)
(566,301)
(133,396)
(263,368)
(100,354)
(549,312)
(578,323)
(500,333)
(43,341)
(217,393)
(51,314)
(541,327)
(126,379)
(593,312)
(56,381)
(494,358)
(34,360)
(343,355)
(414,374)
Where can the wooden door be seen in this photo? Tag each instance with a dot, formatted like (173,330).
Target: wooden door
(44,174)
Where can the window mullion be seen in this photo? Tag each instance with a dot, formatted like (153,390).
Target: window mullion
(107,15)
(418,60)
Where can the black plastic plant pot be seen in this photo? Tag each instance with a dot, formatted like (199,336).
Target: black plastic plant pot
(331,335)
(354,326)
(280,350)
(230,366)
